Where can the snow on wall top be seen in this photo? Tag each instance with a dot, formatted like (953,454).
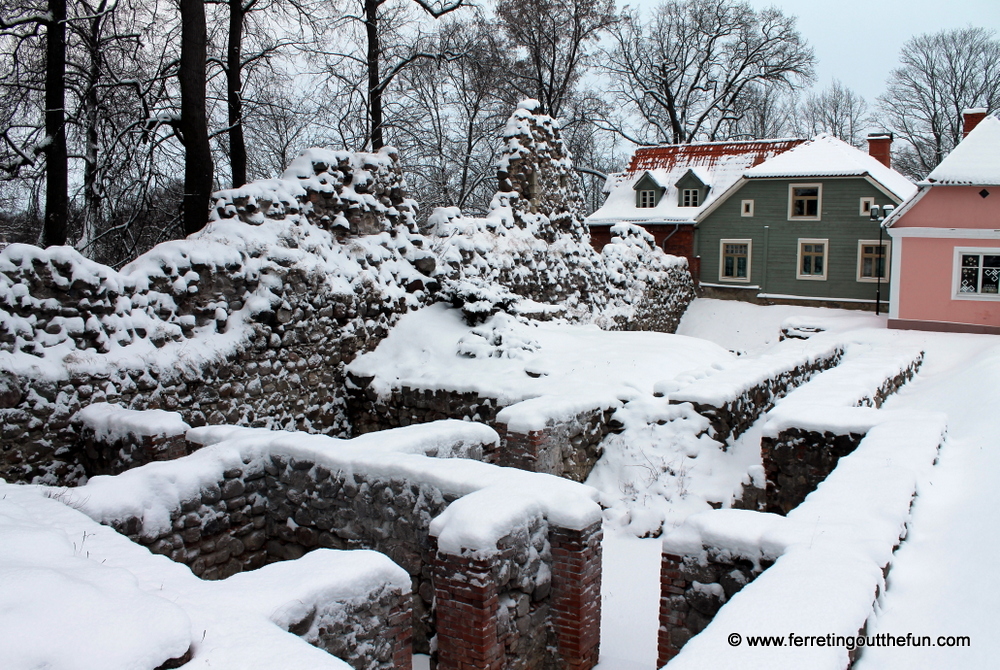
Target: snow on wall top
(514,360)
(976,159)
(113,422)
(717,164)
(499,498)
(831,551)
(745,373)
(75,594)
(827,156)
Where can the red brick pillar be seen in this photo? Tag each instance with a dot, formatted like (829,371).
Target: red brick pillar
(401,632)
(672,633)
(467,609)
(576,595)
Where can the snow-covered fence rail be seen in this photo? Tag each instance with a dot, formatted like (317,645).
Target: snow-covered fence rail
(830,556)
(494,554)
(734,398)
(818,424)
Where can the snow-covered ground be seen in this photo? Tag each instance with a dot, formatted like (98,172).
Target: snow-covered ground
(942,580)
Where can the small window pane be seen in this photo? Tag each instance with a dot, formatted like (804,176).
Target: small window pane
(970,280)
(969,261)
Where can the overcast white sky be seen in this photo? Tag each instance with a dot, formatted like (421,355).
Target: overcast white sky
(858,41)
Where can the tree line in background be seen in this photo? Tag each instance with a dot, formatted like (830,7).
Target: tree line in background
(121,116)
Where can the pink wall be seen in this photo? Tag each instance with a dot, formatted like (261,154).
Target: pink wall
(955,207)
(925,281)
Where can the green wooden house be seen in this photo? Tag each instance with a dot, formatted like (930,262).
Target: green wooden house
(797,227)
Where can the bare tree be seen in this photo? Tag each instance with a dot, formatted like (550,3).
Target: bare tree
(940,75)
(687,70)
(555,37)
(450,139)
(192,128)
(20,25)
(762,112)
(838,111)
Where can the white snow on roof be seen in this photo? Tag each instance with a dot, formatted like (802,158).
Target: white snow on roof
(827,156)
(717,171)
(976,159)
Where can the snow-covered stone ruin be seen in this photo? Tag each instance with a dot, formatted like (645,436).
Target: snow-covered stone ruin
(186,441)
(254,320)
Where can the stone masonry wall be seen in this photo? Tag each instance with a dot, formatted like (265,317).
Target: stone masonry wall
(732,418)
(566,448)
(797,459)
(251,321)
(543,582)
(693,589)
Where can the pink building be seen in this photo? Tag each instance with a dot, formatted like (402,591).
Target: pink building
(945,255)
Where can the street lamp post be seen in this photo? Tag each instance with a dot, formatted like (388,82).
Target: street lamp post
(879,215)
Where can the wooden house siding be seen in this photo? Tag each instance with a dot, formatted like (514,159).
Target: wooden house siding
(775,238)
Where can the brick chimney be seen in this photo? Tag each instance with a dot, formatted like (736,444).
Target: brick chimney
(878,147)
(971,119)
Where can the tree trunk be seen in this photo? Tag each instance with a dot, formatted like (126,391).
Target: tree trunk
(194,121)
(374,85)
(91,114)
(234,84)
(56,169)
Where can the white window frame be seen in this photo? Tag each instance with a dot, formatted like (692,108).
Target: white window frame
(688,194)
(819,202)
(826,258)
(865,211)
(956,275)
(885,260)
(746,208)
(646,196)
(722,260)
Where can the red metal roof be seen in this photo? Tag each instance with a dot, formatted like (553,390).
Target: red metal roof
(706,154)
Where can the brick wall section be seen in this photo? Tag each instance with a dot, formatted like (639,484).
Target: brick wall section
(467,614)
(693,589)
(576,595)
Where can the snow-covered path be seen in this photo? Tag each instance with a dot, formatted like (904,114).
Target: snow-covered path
(943,580)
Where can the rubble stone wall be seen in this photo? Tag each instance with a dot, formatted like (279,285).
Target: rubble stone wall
(693,589)
(798,458)
(542,582)
(733,417)
(565,448)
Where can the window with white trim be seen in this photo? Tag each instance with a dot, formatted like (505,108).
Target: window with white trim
(979,272)
(746,208)
(646,199)
(865,208)
(734,260)
(812,259)
(873,260)
(690,197)
(805,201)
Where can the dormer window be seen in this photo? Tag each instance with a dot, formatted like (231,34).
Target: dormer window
(648,191)
(691,189)
(690,197)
